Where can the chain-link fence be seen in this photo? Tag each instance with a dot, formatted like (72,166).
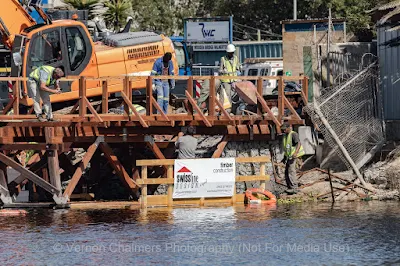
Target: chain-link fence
(353,110)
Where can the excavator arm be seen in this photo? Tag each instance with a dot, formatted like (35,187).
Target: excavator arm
(13,20)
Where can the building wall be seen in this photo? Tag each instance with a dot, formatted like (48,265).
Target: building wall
(389,66)
(296,35)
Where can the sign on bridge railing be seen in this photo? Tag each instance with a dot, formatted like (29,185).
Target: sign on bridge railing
(208,178)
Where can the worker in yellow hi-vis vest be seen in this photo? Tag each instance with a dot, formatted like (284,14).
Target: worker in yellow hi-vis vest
(38,83)
(230,67)
(293,150)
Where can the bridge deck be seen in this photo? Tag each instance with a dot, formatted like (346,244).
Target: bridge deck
(81,126)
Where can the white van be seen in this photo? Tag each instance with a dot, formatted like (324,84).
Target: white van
(264,67)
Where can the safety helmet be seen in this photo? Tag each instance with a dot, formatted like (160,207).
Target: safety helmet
(230,48)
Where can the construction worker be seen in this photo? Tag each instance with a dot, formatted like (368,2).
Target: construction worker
(229,66)
(186,144)
(292,151)
(163,67)
(38,83)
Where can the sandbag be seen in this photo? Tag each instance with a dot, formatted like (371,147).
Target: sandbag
(246,91)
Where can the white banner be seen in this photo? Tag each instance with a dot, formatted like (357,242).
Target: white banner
(209,178)
(216,31)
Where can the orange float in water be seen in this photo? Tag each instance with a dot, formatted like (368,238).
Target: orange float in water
(251,195)
(13,212)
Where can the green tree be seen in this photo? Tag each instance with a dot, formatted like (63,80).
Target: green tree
(89,5)
(116,13)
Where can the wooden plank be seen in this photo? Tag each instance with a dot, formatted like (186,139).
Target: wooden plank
(220,148)
(104,98)
(16,95)
(54,169)
(155,181)
(117,166)
(231,130)
(281,103)
(155,162)
(82,96)
(81,168)
(143,198)
(258,159)
(252,178)
(212,97)
(264,129)
(194,105)
(126,92)
(28,174)
(262,173)
(149,95)
(189,90)
(92,110)
(243,129)
(130,105)
(170,190)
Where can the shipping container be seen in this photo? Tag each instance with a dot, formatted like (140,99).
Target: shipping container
(263,49)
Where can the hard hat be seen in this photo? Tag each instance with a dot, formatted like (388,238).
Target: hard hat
(230,48)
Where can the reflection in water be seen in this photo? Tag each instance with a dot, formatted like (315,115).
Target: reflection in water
(296,234)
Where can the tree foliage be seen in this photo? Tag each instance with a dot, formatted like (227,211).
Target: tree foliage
(89,5)
(116,13)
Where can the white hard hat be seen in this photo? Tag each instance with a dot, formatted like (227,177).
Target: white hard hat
(230,48)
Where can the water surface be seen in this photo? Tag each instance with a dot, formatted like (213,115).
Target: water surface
(365,233)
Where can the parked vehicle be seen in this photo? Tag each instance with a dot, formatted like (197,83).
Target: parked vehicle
(264,67)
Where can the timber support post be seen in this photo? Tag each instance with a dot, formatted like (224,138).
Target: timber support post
(5,195)
(55,178)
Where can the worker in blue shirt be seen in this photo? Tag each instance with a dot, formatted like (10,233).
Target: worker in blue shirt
(163,67)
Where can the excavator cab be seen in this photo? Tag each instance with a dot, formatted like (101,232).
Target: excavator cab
(64,46)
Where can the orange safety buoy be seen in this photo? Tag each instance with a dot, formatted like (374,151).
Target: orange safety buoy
(13,212)
(251,197)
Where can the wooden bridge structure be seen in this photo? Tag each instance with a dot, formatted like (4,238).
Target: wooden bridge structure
(94,128)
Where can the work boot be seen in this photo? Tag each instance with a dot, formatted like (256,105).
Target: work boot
(41,119)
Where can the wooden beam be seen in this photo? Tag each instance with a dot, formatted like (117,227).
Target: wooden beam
(30,175)
(75,107)
(8,106)
(220,148)
(81,168)
(143,197)
(16,93)
(224,112)
(194,105)
(281,103)
(82,96)
(93,111)
(117,166)
(54,169)
(291,109)
(149,95)
(212,97)
(104,102)
(266,108)
(130,105)
(158,107)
